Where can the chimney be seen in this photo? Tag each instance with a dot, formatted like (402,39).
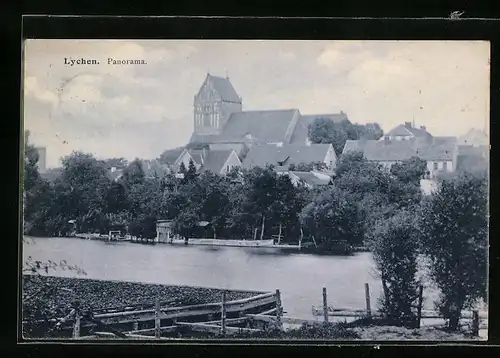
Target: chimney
(408,124)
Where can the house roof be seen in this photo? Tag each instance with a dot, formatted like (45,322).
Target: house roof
(301,131)
(261,126)
(264,155)
(310,178)
(170,156)
(380,150)
(152,167)
(404,130)
(113,176)
(224,88)
(474,137)
(215,160)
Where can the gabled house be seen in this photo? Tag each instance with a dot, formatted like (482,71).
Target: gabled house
(474,138)
(114,174)
(217,161)
(407,131)
(282,156)
(153,168)
(309,179)
(440,153)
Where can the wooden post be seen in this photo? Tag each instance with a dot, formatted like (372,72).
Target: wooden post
(279,310)
(262,228)
(475,323)
(223,315)
(325,305)
(420,303)
(157,319)
(367,299)
(76,327)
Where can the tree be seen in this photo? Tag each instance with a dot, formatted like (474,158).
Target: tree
(133,174)
(454,231)
(182,168)
(325,131)
(333,215)
(395,251)
(116,198)
(191,173)
(287,204)
(410,171)
(82,190)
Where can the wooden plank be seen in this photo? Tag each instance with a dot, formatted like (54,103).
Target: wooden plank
(230,305)
(228,321)
(131,336)
(157,319)
(223,315)
(215,329)
(148,331)
(287,320)
(173,313)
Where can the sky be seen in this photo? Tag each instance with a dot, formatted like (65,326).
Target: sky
(141,110)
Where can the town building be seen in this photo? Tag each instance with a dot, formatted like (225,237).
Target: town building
(219,119)
(217,161)
(221,125)
(309,179)
(407,131)
(398,145)
(42,159)
(291,155)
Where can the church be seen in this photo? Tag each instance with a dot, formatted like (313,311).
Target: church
(221,124)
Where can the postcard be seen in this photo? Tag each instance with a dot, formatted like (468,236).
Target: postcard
(256,190)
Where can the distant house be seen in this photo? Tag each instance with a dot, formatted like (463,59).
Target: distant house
(217,161)
(473,158)
(51,174)
(407,131)
(474,138)
(170,156)
(164,232)
(153,168)
(42,158)
(309,179)
(285,155)
(440,153)
(114,173)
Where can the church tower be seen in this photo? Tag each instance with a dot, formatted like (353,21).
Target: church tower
(213,105)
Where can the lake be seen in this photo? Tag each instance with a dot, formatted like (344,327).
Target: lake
(300,277)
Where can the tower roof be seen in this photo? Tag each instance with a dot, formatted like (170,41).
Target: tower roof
(224,87)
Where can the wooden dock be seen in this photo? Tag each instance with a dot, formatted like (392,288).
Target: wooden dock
(164,319)
(250,315)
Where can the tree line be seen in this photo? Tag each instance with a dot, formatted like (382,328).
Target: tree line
(366,204)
